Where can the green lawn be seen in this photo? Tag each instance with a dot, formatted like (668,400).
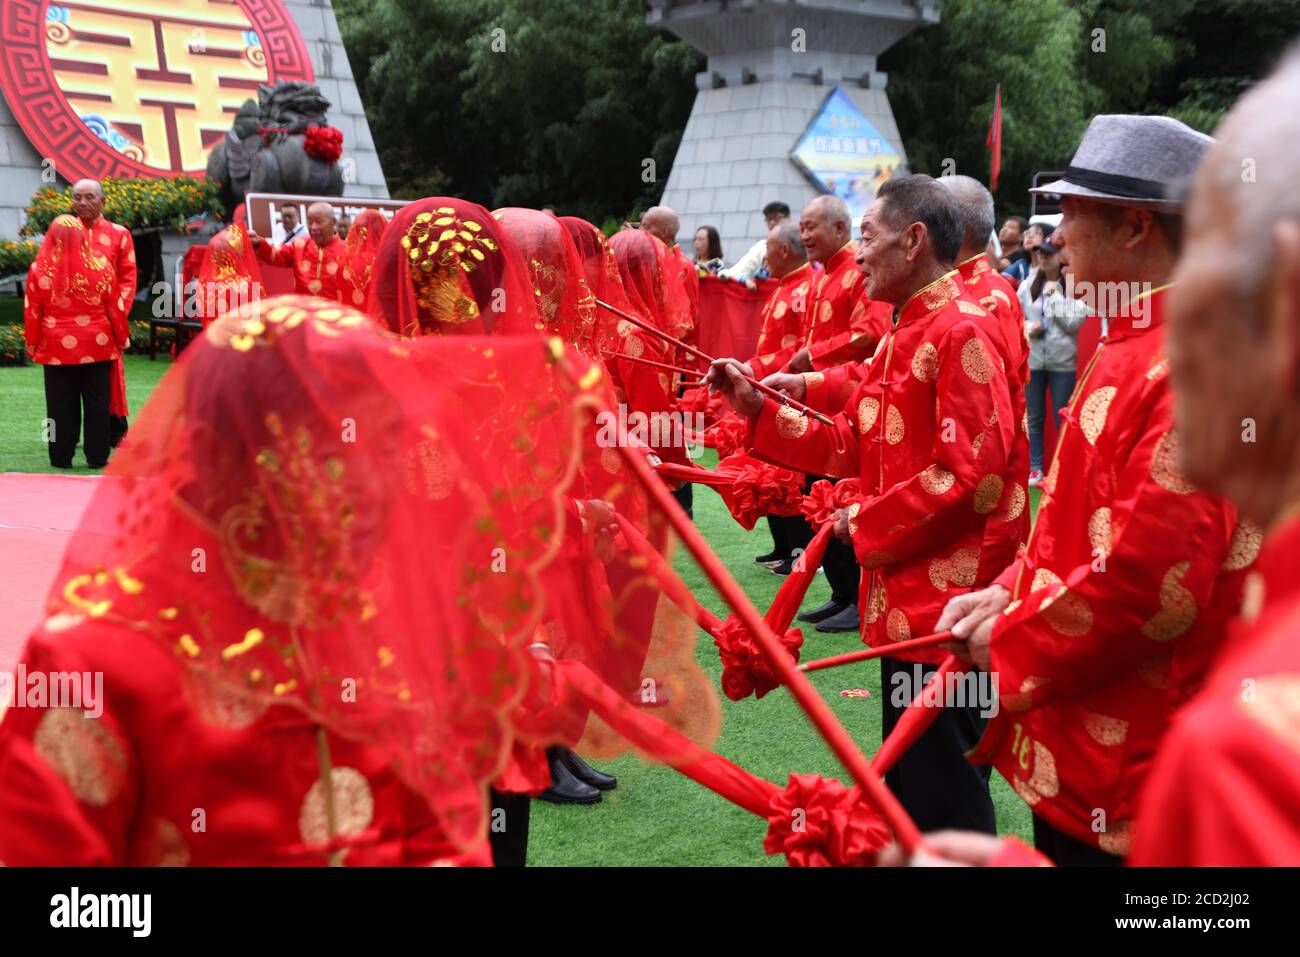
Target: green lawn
(655,816)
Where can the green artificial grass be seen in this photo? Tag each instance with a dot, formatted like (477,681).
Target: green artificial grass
(655,816)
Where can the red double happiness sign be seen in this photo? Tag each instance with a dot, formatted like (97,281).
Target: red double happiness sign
(123,88)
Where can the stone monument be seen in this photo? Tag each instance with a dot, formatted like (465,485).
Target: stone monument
(772,66)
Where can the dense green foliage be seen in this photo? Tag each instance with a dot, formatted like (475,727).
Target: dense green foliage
(564,103)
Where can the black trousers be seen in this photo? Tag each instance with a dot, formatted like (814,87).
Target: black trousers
(788,533)
(1067,851)
(508,828)
(685,498)
(933,779)
(69,389)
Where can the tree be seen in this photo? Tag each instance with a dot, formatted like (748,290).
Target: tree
(942,80)
(522,102)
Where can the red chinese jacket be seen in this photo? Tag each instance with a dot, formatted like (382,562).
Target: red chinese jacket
(926,426)
(88,321)
(783,321)
(843,324)
(1007,329)
(1129,578)
(1224,790)
(174,773)
(316,269)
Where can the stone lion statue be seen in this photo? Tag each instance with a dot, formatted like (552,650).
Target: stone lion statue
(279,143)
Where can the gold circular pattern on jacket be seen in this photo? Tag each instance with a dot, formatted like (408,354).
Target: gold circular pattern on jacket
(850,276)
(824,312)
(1177,606)
(976,363)
(868,410)
(1067,613)
(960,569)
(161,844)
(1099,532)
(780,309)
(1092,417)
(611,461)
(876,602)
(1164,465)
(1016,498)
(790,424)
(894,428)
(1104,729)
(1116,839)
(633,346)
(354,807)
(936,480)
(1024,422)
(988,493)
(812,379)
(1244,547)
(1043,783)
(853,510)
(896,626)
(925,363)
(84,752)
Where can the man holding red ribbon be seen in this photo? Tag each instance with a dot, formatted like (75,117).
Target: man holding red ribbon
(926,425)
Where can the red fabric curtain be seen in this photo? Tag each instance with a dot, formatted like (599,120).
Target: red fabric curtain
(731,316)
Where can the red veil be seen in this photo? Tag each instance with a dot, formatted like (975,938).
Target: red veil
(229,276)
(69,267)
(565,302)
(363,246)
(446,266)
(603,278)
(365,509)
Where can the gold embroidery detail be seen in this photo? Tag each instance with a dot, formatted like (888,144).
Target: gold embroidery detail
(854,509)
(987,494)
(1100,535)
(1092,418)
(1244,547)
(1116,839)
(970,308)
(960,569)
(1043,783)
(925,363)
(1104,729)
(936,480)
(790,424)
(812,379)
(426,469)
(894,428)
(976,363)
(1164,465)
(868,410)
(1017,498)
(84,752)
(940,292)
(876,601)
(161,845)
(354,807)
(1177,606)
(1252,596)
(896,626)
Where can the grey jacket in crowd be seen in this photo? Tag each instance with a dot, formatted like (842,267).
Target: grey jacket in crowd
(1056,349)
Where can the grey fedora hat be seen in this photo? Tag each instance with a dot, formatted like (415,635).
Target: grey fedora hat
(1143,161)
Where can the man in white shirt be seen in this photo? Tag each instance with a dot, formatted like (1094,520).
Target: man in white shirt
(749,264)
(289,227)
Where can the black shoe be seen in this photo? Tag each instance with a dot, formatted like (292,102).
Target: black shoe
(101,465)
(832,607)
(565,788)
(770,559)
(57,465)
(585,773)
(782,568)
(846,620)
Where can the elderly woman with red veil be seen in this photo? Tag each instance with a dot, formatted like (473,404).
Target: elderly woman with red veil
(229,277)
(253,584)
(359,260)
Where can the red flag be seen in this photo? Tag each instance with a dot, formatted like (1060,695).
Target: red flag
(994,141)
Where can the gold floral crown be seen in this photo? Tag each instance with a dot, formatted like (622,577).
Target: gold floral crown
(442,250)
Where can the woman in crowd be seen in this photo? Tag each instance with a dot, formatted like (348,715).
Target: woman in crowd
(708,249)
(1052,321)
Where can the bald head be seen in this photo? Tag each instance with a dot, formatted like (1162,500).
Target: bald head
(661,222)
(87,200)
(321,223)
(977,215)
(1234,311)
(825,226)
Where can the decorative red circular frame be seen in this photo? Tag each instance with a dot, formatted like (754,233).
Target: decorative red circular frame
(53,126)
